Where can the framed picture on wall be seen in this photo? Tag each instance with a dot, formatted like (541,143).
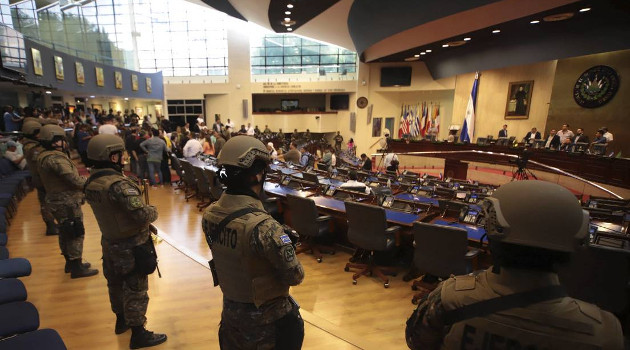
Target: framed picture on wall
(134,82)
(377,124)
(38,68)
(118,80)
(519,99)
(78,67)
(149,88)
(100,79)
(59,68)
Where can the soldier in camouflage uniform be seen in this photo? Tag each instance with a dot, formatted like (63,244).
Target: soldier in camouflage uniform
(531,226)
(124,219)
(32,148)
(254,258)
(64,198)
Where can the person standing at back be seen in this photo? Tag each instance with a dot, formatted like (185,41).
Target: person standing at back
(518,303)
(254,261)
(128,252)
(503,132)
(155,148)
(64,197)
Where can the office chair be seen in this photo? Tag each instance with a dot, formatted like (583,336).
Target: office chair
(598,275)
(216,188)
(203,188)
(309,225)
(440,251)
(178,170)
(190,181)
(367,229)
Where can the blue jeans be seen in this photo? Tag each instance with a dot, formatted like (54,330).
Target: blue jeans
(154,167)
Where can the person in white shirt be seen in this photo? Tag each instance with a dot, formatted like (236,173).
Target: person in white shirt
(388,159)
(250,129)
(192,148)
(352,183)
(333,160)
(108,128)
(607,134)
(230,124)
(14,156)
(565,133)
(272,150)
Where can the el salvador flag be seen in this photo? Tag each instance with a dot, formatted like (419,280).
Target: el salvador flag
(468,129)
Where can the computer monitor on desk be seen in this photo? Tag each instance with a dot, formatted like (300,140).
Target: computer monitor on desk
(444,192)
(502,141)
(310,178)
(450,208)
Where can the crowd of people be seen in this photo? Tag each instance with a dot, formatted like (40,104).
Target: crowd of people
(564,138)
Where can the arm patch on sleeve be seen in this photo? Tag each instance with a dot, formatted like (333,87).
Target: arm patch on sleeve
(130,191)
(285,239)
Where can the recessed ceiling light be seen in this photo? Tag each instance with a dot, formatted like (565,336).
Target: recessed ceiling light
(416,55)
(423,53)
(287,25)
(126,99)
(427,51)
(48,92)
(289,29)
(586,9)
(287,19)
(535,21)
(496,31)
(290,6)
(445,45)
(466,39)
(287,12)
(92,96)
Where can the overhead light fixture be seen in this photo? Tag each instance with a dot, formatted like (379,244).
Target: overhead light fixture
(287,25)
(423,53)
(586,9)
(290,6)
(92,96)
(416,55)
(427,51)
(48,92)
(287,12)
(445,45)
(126,99)
(466,39)
(289,29)
(287,19)
(535,21)
(496,31)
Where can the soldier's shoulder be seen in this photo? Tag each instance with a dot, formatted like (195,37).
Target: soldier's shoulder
(123,186)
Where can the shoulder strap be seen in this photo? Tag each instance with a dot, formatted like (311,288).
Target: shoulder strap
(236,215)
(494,305)
(98,175)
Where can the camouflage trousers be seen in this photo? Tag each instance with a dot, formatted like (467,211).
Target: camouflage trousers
(69,218)
(128,290)
(253,333)
(43,206)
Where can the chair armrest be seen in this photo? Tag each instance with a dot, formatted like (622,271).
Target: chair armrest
(323,218)
(472,253)
(392,230)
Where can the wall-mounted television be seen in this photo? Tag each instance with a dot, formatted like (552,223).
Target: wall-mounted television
(340,102)
(396,76)
(289,105)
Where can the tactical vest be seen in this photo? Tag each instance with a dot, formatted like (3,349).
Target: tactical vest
(31,150)
(52,181)
(244,276)
(563,323)
(113,219)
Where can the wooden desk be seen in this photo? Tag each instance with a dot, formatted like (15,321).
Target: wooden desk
(613,171)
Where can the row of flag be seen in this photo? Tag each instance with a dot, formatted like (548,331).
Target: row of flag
(420,119)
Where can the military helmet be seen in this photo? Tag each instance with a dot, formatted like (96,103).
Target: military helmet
(102,146)
(241,151)
(536,214)
(50,131)
(31,127)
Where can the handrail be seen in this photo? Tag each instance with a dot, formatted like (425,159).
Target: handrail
(554,169)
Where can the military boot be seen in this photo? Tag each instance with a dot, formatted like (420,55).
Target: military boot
(67,268)
(142,338)
(77,270)
(51,228)
(121,325)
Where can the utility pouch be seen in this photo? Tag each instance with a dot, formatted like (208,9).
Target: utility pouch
(146,258)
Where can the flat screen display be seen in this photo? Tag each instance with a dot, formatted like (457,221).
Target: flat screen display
(339,102)
(396,76)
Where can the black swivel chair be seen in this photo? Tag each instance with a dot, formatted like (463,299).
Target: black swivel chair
(309,225)
(440,251)
(216,189)
(190,181)
(178,170)
(367,229)
(203,188)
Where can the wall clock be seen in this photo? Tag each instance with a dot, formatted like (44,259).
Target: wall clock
(362,102)
(596,86)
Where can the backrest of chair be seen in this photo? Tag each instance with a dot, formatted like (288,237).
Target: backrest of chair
(366,226)
(176,165)
(202,183)
(303,215)
(6,168)
(440,250)
(216,189)
(598,275)
(189,172)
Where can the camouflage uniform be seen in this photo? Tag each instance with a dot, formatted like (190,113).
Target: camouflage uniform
(32,149)
(561,323)
(64,198)
(258,312)
(124,220)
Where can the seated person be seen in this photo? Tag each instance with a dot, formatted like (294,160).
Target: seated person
(393,167)
(353,184)
(451,136)
(306,157)
(553,140)
(366,163)
(16,158)
(389,158)
(599,137)
(531,136)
